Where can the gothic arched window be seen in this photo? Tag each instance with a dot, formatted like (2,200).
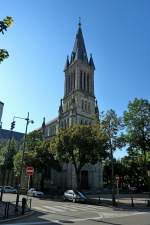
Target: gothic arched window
(82,105)
(81,80)
(84,82)
(89,107)
(88,83)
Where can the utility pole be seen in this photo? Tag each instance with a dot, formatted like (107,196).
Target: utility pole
(22,159)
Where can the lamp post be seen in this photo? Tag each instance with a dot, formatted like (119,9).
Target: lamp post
(22,159)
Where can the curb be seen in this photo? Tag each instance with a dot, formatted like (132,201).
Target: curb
(17,217)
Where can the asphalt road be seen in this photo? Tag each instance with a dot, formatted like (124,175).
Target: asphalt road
(59,212)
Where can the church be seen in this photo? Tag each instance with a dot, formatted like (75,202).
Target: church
(78,106)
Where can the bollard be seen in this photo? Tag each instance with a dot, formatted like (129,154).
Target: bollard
(7,212)
(24,202)
(148,203)
(30,202)
(132,203)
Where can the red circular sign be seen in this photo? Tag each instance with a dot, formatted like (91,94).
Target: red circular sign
(29,170)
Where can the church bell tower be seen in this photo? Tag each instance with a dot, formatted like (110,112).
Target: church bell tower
(78,105)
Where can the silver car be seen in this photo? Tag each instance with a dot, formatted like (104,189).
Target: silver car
(35,193)
(74,196)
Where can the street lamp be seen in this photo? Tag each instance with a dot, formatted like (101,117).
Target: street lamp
(22,159)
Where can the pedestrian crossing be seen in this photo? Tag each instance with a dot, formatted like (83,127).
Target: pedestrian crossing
(62,208)
(81,209)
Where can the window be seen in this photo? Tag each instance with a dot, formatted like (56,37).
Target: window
(82,105)
(88,83)
(84,80)
(81,80)
(85,106)
(89,107)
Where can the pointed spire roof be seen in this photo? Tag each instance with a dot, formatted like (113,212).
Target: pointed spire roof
(67,63)
(91,62)
(79,50)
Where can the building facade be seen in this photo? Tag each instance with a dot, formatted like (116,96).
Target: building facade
(78,106)
(1,113)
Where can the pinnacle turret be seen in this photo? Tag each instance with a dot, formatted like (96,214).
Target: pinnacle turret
(91,62)
(67,63)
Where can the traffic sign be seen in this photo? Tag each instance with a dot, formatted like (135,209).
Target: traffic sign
(29,170)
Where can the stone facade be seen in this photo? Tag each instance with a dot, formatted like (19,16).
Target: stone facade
(78,106)
(1,112)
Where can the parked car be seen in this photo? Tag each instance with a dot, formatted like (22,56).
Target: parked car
(74,196)
(35,193)
(9,189)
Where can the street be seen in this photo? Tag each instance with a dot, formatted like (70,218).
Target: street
(59,212)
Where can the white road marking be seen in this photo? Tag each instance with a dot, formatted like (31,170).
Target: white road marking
(53,208)
(110,215)
(42,210)
(67,208)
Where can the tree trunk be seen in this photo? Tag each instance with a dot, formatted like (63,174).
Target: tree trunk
(113,179)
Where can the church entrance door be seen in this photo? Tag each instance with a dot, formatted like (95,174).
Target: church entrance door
(84,179)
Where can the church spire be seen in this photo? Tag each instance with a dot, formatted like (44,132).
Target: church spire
(67,63)
(79,50)
(91,62)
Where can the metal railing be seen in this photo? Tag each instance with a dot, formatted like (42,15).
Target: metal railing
(8,209)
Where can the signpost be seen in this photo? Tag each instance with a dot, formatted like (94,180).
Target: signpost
(29,172)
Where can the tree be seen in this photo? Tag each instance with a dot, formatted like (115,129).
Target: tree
(137,122)
(7,151)
(4,24)
(38,155)
(112,125)
(79,144)
(120,170)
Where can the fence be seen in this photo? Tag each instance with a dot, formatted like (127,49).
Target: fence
(8,209)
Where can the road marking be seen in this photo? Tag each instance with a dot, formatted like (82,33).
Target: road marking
(41,209)
(53,208)
(67,208)
(100,217)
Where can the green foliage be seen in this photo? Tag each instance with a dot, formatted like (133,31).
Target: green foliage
(112,126)
(79,144)
(137,122)
(7,152)
(37,154)
(4,24)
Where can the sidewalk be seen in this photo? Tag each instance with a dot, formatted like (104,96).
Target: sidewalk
(8,212)
(134,200)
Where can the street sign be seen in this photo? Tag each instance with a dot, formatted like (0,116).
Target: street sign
(29,170)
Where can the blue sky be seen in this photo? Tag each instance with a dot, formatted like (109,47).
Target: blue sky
(116,32)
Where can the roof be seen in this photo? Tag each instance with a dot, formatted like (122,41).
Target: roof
(6,134)
(53,121)
(1,103)
(79,50)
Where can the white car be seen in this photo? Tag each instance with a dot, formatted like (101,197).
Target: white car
(33,192)
(74,196)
